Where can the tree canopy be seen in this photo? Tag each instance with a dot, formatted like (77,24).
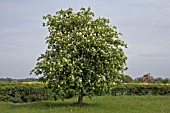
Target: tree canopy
(84,54)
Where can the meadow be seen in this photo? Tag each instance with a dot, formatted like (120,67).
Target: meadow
(98,104)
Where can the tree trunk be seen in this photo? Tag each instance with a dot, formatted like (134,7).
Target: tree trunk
(80,99)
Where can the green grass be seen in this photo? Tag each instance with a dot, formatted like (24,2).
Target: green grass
(98,104)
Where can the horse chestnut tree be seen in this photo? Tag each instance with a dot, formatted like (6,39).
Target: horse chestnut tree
(84,54)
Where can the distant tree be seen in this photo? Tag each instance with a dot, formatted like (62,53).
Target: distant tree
(162,80)
(6,79)
(127,79)
(27,80)
(151,79)
(166,80)
(84,54)
(158,80)
(138,79)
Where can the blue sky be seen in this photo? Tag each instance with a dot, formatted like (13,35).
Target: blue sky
(145,25)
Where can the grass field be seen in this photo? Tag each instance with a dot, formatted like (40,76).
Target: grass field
(98,104)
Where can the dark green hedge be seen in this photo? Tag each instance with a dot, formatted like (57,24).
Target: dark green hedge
(19,92)
(137,89)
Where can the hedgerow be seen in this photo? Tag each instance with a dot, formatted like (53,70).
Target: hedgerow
(141,89)
(20,92)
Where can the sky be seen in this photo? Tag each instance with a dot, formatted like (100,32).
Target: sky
(145,25)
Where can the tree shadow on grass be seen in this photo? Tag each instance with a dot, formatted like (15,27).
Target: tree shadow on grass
(53,104)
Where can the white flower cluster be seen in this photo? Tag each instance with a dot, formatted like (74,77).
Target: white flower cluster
(102,78)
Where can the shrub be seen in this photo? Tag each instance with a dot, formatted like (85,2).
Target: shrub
(140,89)
(18,92)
